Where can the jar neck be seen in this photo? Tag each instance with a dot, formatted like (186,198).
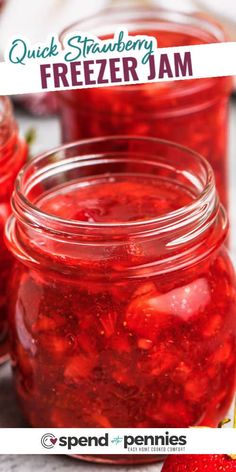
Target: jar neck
(163,244)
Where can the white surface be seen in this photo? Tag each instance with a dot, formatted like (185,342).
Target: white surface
(226,9)
(48,135)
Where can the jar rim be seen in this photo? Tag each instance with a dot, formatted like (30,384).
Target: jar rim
(21,204)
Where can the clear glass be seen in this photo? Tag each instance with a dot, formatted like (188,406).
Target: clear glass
(12,156)
(193,113)
(119,320)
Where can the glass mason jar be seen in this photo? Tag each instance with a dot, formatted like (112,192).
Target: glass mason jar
(122,308)
(193,113)
(13,151)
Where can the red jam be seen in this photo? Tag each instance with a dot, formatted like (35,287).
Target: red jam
(13,153)
(109,327)
(193,113)
(115,200)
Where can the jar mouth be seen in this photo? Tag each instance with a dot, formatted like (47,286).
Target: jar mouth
(153,19)
(163,244)
(150,155)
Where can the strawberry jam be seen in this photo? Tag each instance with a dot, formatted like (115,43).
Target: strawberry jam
(12,156)
(122,307)
(191,112)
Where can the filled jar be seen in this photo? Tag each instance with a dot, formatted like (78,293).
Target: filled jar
(13,151)
(122,307)
(190,112)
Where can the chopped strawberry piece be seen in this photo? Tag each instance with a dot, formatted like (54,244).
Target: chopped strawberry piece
(213,325)
(182,372)
(141,318)
(121,342)
(185,301)
(196,388)
(145,344)
(5,211)
(101,421)
(223,353)
(108,323)
(64,418)
(122,373)
(163,359)
(86,343)
(173,414)
(150,312)
(54,346)
(79,367)
(46,323)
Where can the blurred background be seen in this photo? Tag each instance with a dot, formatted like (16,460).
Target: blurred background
(37,116)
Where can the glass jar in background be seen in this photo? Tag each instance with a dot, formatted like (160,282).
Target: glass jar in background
(13,152)
(193,113)
(122,308)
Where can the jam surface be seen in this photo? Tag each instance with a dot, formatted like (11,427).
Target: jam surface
(116,200)
(147,351)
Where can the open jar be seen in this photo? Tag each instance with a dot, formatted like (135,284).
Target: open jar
(13,151)
(193,113)
(122,309)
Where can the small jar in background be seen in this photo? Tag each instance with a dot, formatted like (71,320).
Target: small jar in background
(13,153)
(193,113)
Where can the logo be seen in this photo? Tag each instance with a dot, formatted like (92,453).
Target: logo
(165,442)
(48,440)
(117,440)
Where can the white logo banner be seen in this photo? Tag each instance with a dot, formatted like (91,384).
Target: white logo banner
(117,441)
(85,61)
